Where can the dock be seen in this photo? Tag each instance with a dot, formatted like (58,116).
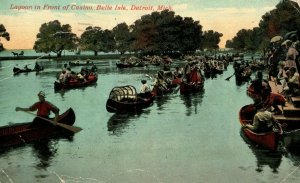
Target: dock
(290,117)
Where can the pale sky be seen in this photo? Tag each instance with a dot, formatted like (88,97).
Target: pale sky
(224,16)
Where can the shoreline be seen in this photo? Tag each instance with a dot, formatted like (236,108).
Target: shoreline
(62,58)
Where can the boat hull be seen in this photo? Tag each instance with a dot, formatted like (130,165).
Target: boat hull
(22,133)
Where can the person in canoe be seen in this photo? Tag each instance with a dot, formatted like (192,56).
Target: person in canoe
(263,119)
(145,90)
(259,84)
(43,108)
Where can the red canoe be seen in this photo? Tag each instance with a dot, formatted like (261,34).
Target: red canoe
(268,140)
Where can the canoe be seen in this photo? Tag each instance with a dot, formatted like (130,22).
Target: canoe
(268,140)
(81,64)
(75,84)
(22,133)
(127,65)
(18,70)
(187,88)
(125,99)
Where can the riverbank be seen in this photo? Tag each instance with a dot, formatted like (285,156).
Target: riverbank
(62,58)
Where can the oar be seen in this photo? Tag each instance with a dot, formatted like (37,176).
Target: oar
(229,77)
(147,75)
(68,127)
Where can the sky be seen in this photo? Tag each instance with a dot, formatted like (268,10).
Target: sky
(23,18)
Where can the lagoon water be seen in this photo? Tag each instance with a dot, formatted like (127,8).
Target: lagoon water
(178,139)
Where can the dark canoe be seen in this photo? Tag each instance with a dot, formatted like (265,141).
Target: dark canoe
(187,88)
(80,64)
(78,84)
(268,140)
(242,78)
(124,99)
(18,70)
(160,91)
(126,65)
(20,133)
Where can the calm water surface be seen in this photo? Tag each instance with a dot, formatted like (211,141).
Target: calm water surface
(178,139)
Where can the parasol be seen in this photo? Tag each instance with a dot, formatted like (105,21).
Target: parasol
(276,39)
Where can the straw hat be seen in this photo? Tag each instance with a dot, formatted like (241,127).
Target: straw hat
(41,94)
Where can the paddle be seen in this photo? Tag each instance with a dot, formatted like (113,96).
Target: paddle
(68,127)
(147,75)
(230,77)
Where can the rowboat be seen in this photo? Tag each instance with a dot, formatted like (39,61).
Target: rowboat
(22,133)
(268,140)
(18,70)
(90,80)
(125,99)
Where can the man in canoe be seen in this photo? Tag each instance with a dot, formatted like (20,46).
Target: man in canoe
(263,119)
(43,108)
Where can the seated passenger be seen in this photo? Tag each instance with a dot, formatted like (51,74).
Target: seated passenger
(263,120)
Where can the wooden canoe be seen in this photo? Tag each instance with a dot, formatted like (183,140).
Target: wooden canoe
(77,84)
(18,70)
(22,133)
(268,140)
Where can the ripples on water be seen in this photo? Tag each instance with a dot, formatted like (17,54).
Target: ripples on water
(194,138)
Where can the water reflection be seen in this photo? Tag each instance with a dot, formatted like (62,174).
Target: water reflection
(263,156)
(117,123)
(291,142)
(192,102)
(161,100)
(45,150)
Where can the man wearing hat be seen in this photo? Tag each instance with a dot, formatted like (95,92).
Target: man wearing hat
(43,108)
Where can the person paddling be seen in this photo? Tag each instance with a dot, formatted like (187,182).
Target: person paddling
(43,108)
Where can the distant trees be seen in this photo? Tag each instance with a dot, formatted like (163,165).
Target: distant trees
(164,32)
(54,37)
(156,33)
(211,39)
(3,34)
(123,37)
(284,18)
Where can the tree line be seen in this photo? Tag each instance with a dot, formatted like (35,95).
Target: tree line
(279,21)
(156,33)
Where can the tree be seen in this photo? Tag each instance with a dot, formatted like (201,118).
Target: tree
(90,39)
(211,39)
(54,37)
(279,21)
(123,37)
(108,42)
(3,34)
(163,32)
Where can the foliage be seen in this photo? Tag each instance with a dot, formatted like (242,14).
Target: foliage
(4,34)
(54,37)
(123,37)
(279,21)
(211,39)
(96,39)
(163,32)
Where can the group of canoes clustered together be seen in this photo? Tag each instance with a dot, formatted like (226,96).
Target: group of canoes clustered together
(264,121)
